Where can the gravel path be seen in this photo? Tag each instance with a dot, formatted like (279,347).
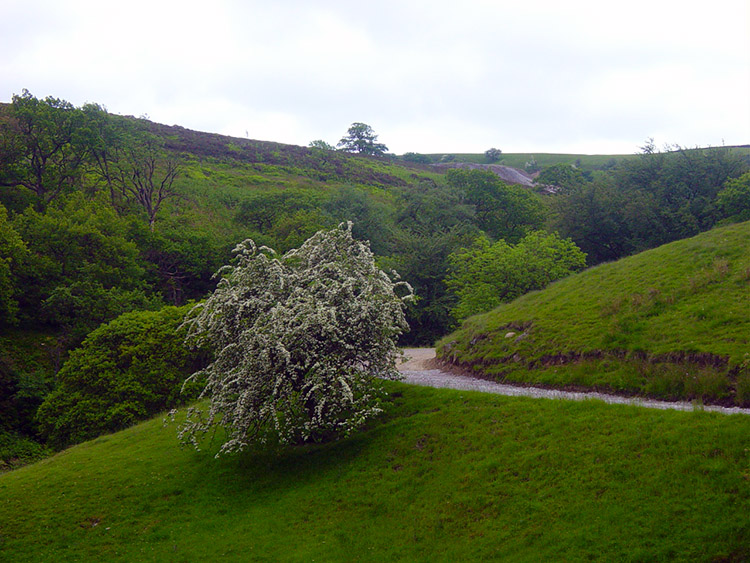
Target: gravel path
(418,370)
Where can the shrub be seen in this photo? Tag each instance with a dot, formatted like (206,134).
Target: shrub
(125,371)
(486,275)
(300,341)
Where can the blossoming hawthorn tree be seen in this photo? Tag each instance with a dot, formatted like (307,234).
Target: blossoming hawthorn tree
(300,342)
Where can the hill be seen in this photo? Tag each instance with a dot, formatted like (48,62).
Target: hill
(444,476)
(672,322)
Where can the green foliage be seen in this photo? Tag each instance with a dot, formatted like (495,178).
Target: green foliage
(17,450)
(493,154)
(595,216)
(561,176)
(649,200)
(13,251)
(180,258)
(734,198)
(432,223)
(44,147)
(81,269)
(20,396)
(503,211)
(301,341)
(322,145)
(486,275)
(671,322)
(416,157)
(361,139)
(372,218)
(126,370)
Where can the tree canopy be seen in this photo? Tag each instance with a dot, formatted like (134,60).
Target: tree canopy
(361,139)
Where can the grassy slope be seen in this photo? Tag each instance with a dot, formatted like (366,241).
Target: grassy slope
(445,476)
(586,162)
(672,322)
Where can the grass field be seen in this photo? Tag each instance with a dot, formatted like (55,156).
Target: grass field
(586,162)
(672,323)
(443,476)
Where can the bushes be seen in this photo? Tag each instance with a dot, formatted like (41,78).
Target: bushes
(17,450)
(486,275)
(125,371)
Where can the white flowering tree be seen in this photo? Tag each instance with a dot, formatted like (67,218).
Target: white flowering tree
(301,341)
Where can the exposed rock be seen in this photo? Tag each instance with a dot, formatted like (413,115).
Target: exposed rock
(506,173)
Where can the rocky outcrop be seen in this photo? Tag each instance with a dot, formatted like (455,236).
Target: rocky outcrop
(506,173)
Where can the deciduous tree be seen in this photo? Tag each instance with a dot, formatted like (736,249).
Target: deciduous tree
(362,139)
(44,146)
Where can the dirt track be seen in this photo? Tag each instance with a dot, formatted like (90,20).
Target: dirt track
(422,368)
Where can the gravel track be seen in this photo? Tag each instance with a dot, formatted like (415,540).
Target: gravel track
(418,370)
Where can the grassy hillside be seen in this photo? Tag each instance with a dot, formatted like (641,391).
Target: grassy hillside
(445,476)
(586,162)
(673,322)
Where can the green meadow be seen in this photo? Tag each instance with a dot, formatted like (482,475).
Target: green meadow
(443,476)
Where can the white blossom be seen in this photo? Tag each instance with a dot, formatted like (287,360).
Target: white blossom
(300,342)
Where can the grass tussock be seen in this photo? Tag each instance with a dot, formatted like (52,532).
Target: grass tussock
(673,323)
(444,476)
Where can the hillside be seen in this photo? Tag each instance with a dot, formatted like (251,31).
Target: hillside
(672,322)
(585,162)
(444,476)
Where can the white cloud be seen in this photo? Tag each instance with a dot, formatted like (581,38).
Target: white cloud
(428,76)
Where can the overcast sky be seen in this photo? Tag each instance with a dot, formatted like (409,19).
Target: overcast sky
(573,76)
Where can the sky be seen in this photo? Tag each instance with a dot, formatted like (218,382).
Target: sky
(579,76)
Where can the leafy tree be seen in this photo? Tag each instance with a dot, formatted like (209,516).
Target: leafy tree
(44,147)
(180,258)
(13,251)
(682,186)
(486,275)
(650,200)
(82,268)
(493,154)
(593,216)
(322,145)
(502,211)
(125,371)
(431,223)
(362,139)
(734,198)
(301,341)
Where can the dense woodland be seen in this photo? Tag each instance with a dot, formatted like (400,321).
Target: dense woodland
(111,226)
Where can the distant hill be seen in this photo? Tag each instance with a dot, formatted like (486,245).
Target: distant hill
(672,322)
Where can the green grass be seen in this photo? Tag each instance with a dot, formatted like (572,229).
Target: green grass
(444,476)
(519,160)
(673,322)
(586,162)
